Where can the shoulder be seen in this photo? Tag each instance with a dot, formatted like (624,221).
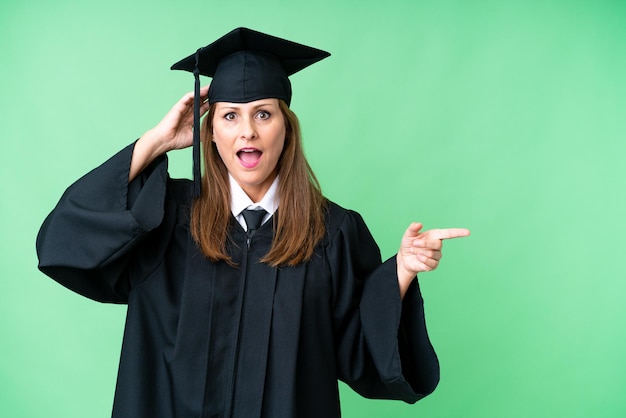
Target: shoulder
(179,200)
(340,219)
(180,190)
(347,233)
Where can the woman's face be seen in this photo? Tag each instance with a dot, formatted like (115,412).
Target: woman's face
(249,138)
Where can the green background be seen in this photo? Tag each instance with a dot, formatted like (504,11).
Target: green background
(506,117)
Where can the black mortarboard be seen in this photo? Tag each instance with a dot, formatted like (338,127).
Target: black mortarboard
(246,65)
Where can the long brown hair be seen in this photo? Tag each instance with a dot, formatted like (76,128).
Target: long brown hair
(299,220)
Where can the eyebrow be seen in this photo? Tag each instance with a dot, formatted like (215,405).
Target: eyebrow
(239,107)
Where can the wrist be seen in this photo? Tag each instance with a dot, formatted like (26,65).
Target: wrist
(153,144)
(405,276)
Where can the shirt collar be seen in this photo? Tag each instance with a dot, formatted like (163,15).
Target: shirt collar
(239,200)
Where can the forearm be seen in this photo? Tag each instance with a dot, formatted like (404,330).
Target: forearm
(405,278)
(147,149)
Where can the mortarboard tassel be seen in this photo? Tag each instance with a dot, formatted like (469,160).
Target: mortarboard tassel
(197,176)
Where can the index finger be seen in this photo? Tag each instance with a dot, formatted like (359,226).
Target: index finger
(449,233)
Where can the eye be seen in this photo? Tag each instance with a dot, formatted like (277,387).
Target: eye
(263,114)
(230,116)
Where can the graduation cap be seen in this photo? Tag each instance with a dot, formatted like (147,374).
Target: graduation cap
(246,65)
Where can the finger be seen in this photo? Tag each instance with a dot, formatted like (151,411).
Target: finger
(433,244)
(188,97)
(186,108)
(184,105)
(430,263)
(448,233)
(417,266)
(413,230)
(204,108)
(434,254)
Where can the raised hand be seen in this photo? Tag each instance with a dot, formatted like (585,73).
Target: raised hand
(421,251)
(174,131)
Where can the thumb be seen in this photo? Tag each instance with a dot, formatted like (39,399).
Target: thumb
(413,231)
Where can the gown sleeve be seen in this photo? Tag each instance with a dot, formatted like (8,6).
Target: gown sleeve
(87,242)
(383,349)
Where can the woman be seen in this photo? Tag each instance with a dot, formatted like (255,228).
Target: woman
(250,295)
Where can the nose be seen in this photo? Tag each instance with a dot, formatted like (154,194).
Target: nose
(247,129)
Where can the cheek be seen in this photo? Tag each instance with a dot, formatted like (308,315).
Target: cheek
(220,131)
(278,148)
(216,133)
(219,147)
(220,138)
(280,140)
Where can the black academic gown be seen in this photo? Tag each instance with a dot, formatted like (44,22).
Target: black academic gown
(207,340)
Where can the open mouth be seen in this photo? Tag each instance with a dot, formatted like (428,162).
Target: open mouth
(249,157)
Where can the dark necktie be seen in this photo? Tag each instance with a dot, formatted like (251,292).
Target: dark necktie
(253,220)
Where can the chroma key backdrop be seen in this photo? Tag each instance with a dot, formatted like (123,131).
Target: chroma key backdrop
(504,117)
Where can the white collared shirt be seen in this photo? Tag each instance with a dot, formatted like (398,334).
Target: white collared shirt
(239,201)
